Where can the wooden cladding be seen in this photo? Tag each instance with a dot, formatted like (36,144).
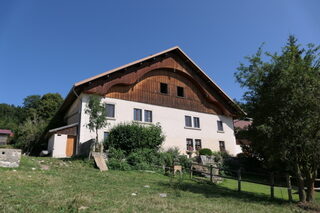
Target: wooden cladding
(68,131)
(142,84)
(148,90)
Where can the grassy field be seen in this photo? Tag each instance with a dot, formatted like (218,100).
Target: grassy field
(51,185)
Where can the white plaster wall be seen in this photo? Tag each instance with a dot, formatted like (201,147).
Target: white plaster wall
(59,145)
(173,125)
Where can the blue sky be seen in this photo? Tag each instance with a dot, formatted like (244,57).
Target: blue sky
(47,46)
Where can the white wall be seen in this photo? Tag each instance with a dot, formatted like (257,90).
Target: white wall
(57,145)
(173,125)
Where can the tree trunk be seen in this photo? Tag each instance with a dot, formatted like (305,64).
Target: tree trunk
(302,194)
(310,185)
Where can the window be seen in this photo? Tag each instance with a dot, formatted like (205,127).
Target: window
(105,136)
(110,110)
(148,116)
(164,88)
(188,121)
(198,145)
(137,114)
(189,144)
(222,146)
(180,92)
(220,126)
(196,122)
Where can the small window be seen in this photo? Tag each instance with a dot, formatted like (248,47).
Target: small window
(148,116)
(137,114)
(196,122)
(189,144)
(222,146)
(188,122)
(180,92)
(220,125)
(164,88)
(198,144)
(105,136)
(110,110)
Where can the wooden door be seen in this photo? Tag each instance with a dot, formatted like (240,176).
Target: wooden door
(70,146)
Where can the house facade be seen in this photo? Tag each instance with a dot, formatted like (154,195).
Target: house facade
(167,89)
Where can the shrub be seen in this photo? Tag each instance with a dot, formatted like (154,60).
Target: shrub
(118,164)
(131,137)
(205,151)
(143,158)
(169,157)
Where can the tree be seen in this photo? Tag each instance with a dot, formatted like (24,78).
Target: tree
(97,116)
(283,92)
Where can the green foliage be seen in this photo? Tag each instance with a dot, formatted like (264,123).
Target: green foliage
(205,151)
(97,116)
(131,137)
(283,93)
(28,134)
(169,157)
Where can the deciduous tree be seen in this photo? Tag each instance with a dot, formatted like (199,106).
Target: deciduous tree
(283,91)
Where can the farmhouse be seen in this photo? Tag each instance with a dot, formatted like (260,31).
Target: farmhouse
(167,88)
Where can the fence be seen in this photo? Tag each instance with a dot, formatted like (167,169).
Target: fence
(238,175)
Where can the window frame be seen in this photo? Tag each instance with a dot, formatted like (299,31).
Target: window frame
(222,146)
(151,117)
(196,145)
(190,148)
(134,114)
(198,122)
(182,90)
(218,126)
(166,88)
(114,110)
(185,121)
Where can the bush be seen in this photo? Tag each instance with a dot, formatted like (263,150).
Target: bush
(118,164)
(143,159)
(131,137)
(205,151)
(169,157)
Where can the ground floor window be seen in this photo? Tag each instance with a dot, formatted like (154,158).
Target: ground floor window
(222,146)
(137,114)
(189,144)
(198,144)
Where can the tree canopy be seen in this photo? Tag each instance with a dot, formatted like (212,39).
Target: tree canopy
(283,98)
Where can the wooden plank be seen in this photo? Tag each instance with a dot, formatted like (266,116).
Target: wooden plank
(100,161)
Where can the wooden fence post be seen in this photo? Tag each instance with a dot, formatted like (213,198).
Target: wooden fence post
(272,184)
(191,171)
(211,175)
(239,180)
(289,187)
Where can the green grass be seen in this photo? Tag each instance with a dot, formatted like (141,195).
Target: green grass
(74,185)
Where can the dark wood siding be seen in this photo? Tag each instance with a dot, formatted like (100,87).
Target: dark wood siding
(147,90)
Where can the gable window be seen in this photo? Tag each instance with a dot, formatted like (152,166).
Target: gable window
(220,126)
(163,88)
(180,91)
(196,122)
(222,146)
(137,114)
(189,144)
(188,122)
(148,116)
(198,144)
(110,110)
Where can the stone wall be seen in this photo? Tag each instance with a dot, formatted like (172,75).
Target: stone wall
(10,157)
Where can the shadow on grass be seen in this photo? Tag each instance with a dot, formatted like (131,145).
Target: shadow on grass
(211,190)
